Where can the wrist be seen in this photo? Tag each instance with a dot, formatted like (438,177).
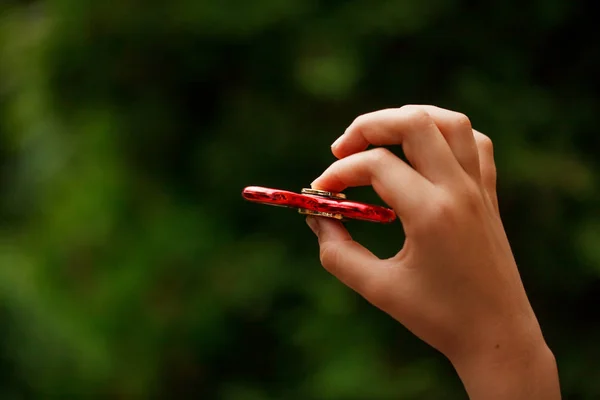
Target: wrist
(514,368)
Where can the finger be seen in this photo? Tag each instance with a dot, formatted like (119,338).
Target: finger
(398,185)
(344,258)
(487,166)
(458,132)
(410,126)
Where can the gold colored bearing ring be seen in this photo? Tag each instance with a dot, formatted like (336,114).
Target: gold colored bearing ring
(304,211)
(324,193)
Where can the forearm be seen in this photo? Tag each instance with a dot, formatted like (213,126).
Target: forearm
(513,373)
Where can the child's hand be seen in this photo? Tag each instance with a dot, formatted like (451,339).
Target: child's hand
(454,283)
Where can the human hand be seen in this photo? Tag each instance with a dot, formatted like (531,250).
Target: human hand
(454,283)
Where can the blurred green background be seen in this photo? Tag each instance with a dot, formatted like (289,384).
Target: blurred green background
(130,266)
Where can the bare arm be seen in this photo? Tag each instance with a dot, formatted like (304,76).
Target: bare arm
(454,283)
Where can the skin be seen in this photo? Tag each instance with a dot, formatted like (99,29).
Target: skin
(454,283)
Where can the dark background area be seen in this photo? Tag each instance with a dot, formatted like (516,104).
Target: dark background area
(130,266)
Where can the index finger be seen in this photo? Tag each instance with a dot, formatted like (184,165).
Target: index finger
(398,185)
(410,126)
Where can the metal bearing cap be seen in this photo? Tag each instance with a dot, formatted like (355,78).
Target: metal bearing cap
(326,194)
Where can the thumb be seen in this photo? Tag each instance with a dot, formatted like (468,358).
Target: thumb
(346,259)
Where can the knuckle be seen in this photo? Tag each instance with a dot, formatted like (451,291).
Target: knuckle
(359,121)
(470,199)
(380,155)
(443,212)
(449,210)
(484,143)
(416,115)
(435,217)
(462,122)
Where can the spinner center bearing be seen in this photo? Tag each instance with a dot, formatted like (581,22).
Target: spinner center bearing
(326,194)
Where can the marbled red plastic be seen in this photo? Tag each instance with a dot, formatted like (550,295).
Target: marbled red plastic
(348,209)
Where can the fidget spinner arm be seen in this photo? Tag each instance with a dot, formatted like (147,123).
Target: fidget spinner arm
(320,203)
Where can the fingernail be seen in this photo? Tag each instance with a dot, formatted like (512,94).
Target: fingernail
(337,141)
(313,224)
(312,184)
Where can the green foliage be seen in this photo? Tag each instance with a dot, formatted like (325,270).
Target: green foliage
(130,267)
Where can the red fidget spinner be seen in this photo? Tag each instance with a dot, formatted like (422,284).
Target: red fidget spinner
(320,203)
